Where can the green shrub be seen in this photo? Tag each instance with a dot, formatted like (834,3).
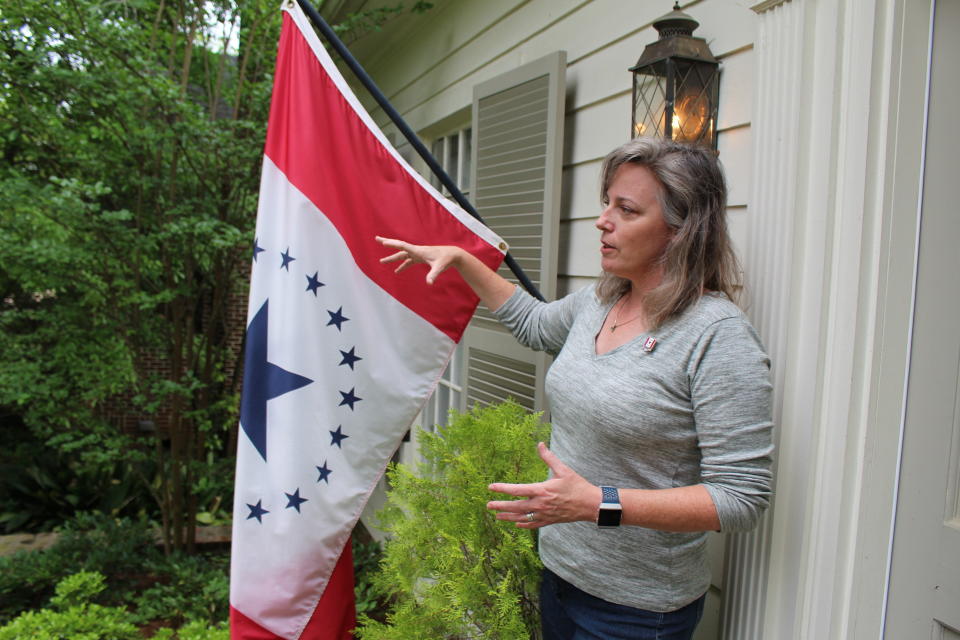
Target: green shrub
(451,569)
(178,589)
(195,630)
(117,548)
(189,588)
(366,559)
(77,590)
(42,486)
(73,615)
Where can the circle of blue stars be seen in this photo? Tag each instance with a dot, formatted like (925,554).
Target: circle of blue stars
(264,380)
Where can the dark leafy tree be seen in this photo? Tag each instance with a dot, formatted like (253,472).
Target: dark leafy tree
(130,140)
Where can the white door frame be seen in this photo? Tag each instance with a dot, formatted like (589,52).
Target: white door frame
(898,598)
(847,277)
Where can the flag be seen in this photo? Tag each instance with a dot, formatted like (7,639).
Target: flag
(341,352)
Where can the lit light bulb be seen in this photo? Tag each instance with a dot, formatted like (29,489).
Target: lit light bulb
(691,117)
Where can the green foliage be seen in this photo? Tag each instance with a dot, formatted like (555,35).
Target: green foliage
(131,136)
(176,589)
(192,588)
(118,549)
(452,569)
(195,630)
(77,590)
(130,144)
(213,490)
(43,486)
(145,585)
(366,559)
(74,615)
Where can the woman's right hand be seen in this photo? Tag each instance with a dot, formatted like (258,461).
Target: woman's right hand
(438,258)
(487,283)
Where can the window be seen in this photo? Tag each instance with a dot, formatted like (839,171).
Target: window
(452,151)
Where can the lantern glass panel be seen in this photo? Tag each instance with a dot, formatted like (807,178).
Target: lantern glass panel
(649,108)
(694,104)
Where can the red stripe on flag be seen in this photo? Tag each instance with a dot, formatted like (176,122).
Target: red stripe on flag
(317,140)
(333,619)
(336,613)
(243,628)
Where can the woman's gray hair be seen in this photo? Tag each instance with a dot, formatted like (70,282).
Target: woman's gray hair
(693,196)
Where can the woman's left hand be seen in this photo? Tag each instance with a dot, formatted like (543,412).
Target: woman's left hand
(565,497)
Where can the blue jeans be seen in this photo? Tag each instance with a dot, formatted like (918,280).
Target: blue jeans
(567,613)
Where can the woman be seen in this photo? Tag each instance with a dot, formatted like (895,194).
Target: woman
(660,401)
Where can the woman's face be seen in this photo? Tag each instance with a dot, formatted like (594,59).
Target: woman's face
(633,233)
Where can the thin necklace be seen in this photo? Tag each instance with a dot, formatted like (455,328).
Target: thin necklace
(616,321)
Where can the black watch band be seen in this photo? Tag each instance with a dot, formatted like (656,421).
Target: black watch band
(610,509)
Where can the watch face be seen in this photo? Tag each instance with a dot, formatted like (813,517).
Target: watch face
(609,517)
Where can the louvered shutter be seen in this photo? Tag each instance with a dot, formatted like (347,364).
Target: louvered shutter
(517,163)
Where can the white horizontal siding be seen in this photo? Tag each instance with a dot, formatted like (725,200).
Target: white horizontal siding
(463,44)
(585,199)
(736,89)
(736,155)
(430,73)
(579,248)
(569,284)
(593,131)
(738,222)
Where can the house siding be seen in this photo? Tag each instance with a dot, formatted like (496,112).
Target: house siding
(429,74)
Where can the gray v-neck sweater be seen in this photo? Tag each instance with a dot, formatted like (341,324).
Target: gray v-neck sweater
(694,409)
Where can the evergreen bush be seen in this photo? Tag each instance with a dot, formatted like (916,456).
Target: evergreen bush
(73,615)
(450,569)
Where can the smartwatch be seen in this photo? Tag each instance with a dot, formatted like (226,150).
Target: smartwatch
(610,508)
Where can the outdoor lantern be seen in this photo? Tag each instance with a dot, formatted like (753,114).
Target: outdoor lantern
(676,84)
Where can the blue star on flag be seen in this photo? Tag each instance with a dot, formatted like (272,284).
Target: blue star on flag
(336,437)
(337,318)
(262,381)
(256,511)
(349,357)
(324,473)
(294,500)
(349,398)
(256,249)
(313,283)
(287,259)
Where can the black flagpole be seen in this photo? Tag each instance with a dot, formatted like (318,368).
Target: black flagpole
(407,132)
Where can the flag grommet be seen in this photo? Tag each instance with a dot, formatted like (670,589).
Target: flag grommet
(503,246)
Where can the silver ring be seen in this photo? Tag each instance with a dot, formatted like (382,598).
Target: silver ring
(530,516)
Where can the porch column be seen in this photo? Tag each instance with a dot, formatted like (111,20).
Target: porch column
(767,259)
